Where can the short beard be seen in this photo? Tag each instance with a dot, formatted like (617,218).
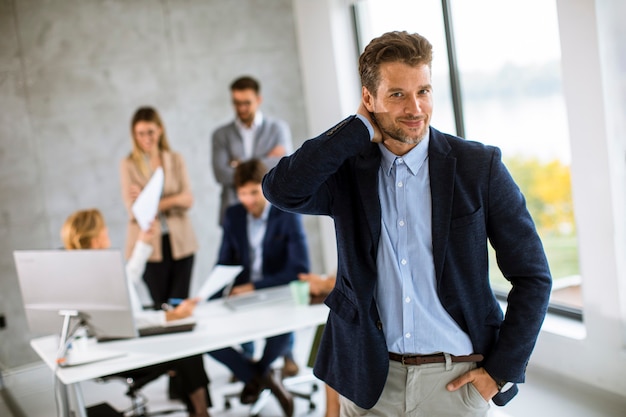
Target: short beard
(398,135)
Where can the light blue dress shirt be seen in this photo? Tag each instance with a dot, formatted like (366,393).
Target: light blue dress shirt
(414,320)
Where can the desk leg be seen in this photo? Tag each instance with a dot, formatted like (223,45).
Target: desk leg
(63,398)
(79,401)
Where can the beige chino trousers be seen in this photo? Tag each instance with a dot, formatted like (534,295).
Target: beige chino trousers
(420,391)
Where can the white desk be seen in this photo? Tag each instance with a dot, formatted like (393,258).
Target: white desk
(218,327)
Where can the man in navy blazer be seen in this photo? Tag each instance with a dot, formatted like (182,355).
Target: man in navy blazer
(414,327)
(271,246)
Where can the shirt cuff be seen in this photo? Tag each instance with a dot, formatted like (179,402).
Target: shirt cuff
(367,124)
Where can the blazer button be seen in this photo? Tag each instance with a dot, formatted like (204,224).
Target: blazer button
(379,325)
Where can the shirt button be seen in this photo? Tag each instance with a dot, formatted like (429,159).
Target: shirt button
(401,222)
(400,184)
(407,300)
(403,262)
(408,335)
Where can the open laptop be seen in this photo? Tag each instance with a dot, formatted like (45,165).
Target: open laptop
(258,297)
(92,282)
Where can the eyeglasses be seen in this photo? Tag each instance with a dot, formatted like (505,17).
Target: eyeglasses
(238,103)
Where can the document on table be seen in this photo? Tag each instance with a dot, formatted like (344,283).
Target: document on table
(146,206)
(220,277)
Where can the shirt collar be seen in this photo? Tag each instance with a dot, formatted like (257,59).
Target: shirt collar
(413,159)
(258,120)
(264,215)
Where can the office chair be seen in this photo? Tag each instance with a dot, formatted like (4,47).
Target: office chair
(291,384)
(139,401)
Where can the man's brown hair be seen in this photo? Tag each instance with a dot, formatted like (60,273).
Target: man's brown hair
(246,83)
(409,48)
(249,171)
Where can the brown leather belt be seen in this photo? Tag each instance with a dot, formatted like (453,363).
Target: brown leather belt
(434,358)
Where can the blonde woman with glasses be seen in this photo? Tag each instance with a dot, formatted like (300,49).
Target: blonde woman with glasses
(168,271)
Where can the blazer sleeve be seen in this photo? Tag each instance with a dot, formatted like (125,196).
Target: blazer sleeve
(279,135)
(184,183)
(228,254)
(220,157)
(522,260)
(299,183)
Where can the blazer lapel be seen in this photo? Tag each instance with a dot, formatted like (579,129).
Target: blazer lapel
(270,226)
(442,171)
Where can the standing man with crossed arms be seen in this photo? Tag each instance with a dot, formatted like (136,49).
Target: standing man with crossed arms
(251,135)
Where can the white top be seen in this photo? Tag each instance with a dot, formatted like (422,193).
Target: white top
(248,134)
(135,267)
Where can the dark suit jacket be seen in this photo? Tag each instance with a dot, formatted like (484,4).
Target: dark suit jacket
(474,200)
(285,251)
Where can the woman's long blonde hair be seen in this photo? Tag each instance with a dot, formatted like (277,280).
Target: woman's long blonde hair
(81,228)
(146,114)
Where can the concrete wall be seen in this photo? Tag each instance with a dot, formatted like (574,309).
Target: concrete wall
(72,72)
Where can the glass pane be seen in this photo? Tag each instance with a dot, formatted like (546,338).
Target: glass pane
(509,61)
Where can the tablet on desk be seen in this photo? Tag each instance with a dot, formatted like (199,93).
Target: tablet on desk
(258,297)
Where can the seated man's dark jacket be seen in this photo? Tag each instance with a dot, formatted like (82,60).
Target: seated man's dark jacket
(285,250)
(474,200)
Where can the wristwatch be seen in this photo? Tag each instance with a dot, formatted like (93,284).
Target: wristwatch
(504,386)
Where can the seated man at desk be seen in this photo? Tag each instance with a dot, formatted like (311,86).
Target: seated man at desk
(271,246)
(86,229)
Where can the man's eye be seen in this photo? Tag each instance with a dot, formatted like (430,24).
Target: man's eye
(396,94)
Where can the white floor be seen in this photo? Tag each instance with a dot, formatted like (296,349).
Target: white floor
(31,389)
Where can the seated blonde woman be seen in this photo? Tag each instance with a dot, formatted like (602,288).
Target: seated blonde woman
(86,229)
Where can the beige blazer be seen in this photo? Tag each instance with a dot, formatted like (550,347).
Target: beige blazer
(182,237)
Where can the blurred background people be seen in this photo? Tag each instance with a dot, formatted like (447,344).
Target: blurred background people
(250,135)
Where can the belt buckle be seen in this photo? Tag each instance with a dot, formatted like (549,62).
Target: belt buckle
(405,357)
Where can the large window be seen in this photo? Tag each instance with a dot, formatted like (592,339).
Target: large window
(508,58)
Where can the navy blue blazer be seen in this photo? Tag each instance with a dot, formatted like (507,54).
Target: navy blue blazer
(474,201)
(285,250)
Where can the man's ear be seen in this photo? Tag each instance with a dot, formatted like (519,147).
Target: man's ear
(368,99)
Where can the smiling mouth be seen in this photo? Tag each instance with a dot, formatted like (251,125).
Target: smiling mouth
(413,123)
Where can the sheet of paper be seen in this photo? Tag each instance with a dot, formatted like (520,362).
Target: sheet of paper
(146,206)
(220,276)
